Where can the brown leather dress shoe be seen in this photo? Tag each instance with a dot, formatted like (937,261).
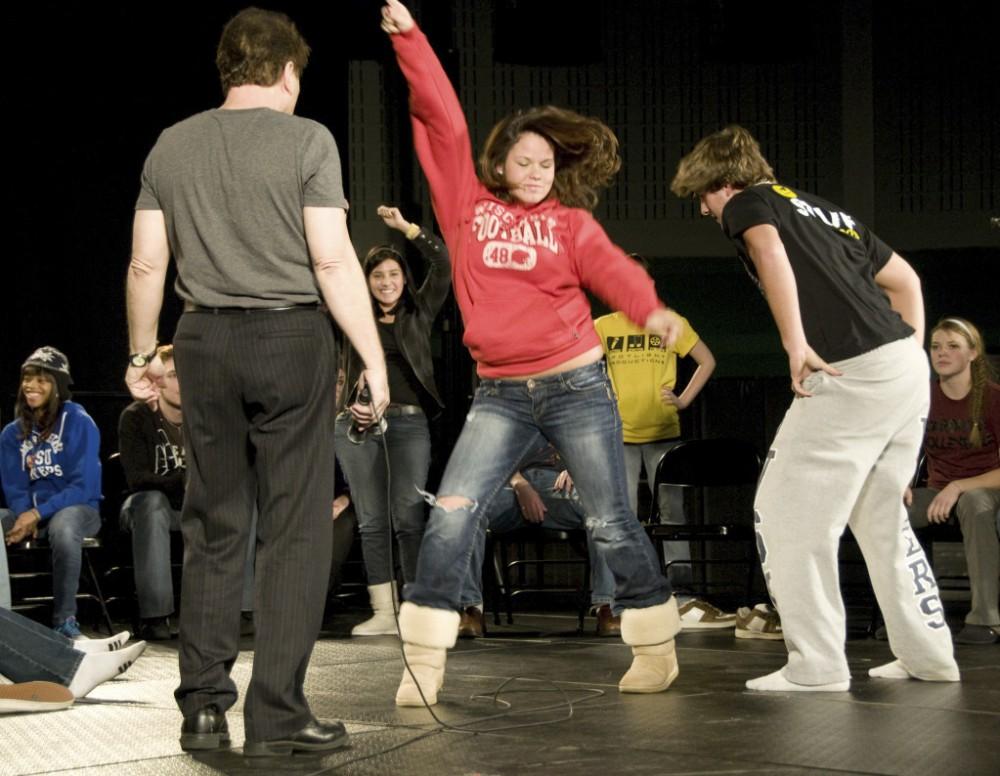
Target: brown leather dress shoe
(315,737)
(607,623)
(471,626)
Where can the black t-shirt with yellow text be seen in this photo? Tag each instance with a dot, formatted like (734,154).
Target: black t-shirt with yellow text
(834,259)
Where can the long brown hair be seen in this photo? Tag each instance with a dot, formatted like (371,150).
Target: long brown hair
(982,371)
(586,153)
(44,418)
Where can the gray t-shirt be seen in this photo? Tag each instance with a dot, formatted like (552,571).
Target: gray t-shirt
(232,185)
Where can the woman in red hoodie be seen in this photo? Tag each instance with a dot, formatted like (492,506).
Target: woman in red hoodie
(524,247)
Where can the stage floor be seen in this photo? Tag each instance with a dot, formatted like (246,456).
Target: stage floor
(564,714)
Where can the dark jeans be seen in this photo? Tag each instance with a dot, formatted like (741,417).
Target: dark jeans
(564,512)
(65,532)
(31,652)
(576,411)
(408,442)
(148,516)
(4,571)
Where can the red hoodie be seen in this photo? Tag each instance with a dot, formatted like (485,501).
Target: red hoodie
(518,271)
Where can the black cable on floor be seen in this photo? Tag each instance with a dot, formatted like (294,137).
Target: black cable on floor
(467,725)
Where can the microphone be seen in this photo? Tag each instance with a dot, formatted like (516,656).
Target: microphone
(355,433)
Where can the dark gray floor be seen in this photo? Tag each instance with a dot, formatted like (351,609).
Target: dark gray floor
(705,724)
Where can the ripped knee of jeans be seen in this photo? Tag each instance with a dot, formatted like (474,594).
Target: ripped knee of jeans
(449,503)
(593,523)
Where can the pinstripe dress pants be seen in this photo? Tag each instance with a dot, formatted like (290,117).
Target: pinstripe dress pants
(258,398)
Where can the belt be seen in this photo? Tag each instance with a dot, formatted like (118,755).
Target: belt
(396,410)
(195,308)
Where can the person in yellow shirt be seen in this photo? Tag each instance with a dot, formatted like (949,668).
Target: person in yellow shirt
(644,376)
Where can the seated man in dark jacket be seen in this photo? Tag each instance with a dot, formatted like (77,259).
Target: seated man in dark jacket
(152,455)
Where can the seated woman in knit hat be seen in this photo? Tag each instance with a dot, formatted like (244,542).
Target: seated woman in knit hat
(51,472)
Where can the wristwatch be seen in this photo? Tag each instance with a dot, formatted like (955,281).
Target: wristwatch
(140,359)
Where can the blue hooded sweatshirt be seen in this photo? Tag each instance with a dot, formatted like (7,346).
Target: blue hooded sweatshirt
(50,474)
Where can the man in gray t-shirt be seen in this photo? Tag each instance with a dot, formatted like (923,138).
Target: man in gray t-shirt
(249,200)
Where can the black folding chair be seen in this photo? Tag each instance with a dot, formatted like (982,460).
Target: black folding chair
(718,475)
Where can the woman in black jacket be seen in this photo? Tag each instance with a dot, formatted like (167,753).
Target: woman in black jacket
(404,318)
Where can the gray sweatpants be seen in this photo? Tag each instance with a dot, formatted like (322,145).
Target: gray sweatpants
(844,457)
(976,511)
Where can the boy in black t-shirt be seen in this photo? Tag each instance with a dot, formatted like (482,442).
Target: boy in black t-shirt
(851,319)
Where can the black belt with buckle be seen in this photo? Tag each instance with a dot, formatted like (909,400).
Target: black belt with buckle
(196,308)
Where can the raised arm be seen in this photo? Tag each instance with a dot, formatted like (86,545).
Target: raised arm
(342,284)
(434,290)
(440,132)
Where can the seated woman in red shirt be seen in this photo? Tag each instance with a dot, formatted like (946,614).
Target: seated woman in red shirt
(962,449)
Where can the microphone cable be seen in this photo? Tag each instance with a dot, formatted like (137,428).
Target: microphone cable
(470,725)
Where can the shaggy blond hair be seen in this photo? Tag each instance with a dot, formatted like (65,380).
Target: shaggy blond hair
(730,156)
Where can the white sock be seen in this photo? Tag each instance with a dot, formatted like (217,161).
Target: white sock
(109,644)
(893,670)
(777,682)
(98,667)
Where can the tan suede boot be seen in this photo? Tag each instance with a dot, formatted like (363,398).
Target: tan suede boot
(650,632)
(383,620)
(427,633)
(427,666)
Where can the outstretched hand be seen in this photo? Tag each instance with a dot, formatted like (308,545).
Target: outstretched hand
(396,18)
(665,323)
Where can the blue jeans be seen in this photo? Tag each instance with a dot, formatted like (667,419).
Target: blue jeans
(670,498)
(408,442)
(576,411)
(31,652)
(148,516)
(65,532)
(4,571)
(564,512)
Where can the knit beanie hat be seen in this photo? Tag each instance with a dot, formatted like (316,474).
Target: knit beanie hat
(56,364)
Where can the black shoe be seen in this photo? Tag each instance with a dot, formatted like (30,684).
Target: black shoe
(976,634)
(205,729)
(315,737)
(155,629)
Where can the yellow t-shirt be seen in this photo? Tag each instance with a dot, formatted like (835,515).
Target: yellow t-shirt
(638,368)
